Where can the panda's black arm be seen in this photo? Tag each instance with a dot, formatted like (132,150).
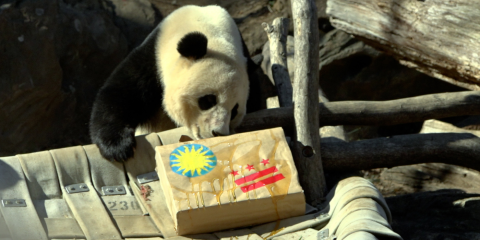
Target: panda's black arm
(254,94)
(131,95)
(254,102)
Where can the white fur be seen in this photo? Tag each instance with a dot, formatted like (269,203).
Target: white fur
(222,71)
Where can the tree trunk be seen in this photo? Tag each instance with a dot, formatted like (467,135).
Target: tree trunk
(437,37)
(306,144)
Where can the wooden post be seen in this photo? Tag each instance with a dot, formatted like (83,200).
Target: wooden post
(277,36)
(306,144)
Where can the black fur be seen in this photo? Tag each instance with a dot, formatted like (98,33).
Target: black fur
(193,45)
(208,101)
(132,95)
(234,112)
(254,101)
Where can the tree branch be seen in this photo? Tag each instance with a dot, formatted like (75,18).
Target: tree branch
(392,112)
(306,144)
(277,36)
(462,149)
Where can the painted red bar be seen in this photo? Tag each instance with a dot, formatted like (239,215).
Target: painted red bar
(262,183)
(256,175)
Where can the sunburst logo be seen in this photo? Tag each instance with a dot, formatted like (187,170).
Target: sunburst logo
(192,160)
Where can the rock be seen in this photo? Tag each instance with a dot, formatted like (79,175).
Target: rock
(249,15)
(352,70)
(434,215)
(55,56)
(335,45)
(136,19)
(250,22)
(464,122)
(424,177)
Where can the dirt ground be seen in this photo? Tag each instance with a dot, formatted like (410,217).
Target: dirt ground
(431,201)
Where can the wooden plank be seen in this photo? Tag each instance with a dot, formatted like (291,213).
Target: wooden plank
(23,222)
(4,232)
(125,209)
(437,37)
(42,180)
(137,226)
(144,162)
(144,158)
(63,228)
(87,207)
(157,208)
(104,172)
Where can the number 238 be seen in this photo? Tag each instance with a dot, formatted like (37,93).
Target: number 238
(122,205)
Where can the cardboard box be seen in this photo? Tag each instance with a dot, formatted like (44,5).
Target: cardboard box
(227,182)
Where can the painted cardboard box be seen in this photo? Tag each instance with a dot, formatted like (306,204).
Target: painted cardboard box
(228,182)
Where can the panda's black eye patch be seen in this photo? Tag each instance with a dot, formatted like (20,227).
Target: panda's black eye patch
(208,101)
(234,112)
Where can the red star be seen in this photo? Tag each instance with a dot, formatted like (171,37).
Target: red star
(250,167)
(235,173)
(265,162)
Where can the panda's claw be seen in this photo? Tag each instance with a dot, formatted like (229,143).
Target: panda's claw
(120,148)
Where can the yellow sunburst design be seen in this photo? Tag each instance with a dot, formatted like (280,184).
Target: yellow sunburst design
(195,160)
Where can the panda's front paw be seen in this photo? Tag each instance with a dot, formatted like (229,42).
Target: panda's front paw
(118,148)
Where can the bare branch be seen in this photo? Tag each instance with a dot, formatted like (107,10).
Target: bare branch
(392,112)
(306,146)
(462,149)
(277,36)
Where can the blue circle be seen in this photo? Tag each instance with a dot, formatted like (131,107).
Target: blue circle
(181,160)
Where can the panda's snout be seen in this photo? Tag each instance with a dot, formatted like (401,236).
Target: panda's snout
(219,123)
(217,134)
(221,131)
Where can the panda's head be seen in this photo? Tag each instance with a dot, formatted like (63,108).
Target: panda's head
(208,89)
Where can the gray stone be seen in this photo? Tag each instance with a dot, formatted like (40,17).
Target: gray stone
(136,19)
(52,64)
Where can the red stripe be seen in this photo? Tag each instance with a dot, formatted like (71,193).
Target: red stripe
(262,183)
(256,175)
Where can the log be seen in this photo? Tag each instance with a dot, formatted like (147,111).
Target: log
(437,37)
(306,144)
(277,36)
(406,110)
(435,126)
(461,149)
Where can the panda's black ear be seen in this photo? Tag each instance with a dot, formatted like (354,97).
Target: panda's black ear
(193,45)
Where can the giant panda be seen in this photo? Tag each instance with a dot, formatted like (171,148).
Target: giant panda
(193,70)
